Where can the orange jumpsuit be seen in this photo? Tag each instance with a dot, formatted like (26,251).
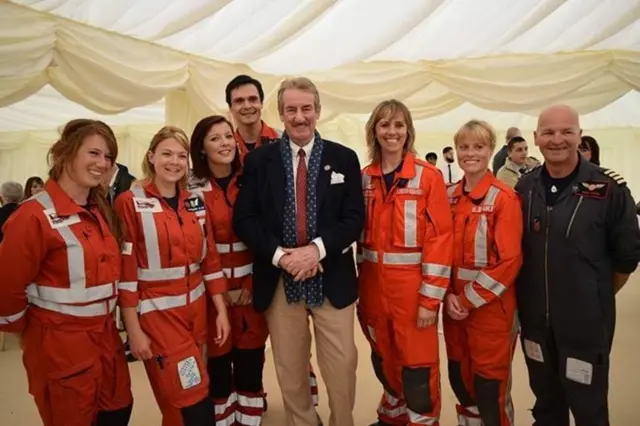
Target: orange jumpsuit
(60,269)
(266,134)
(237,366)
(170,264)
(405,258)
(487,258)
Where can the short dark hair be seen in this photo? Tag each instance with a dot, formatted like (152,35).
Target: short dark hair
(590,143)
(242,80)
(446,149)
(198,159)
(431,155)
(514,140)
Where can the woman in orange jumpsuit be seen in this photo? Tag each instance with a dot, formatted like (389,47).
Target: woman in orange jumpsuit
(170,263)
(480,326)
(60,263)
(405,256)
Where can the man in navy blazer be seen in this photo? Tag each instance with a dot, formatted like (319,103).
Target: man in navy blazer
(300,209)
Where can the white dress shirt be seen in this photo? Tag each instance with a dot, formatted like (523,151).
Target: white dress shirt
(296,159)
(456,173)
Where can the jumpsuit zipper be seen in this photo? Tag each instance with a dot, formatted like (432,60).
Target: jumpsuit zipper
(464,238)
(573,216)
(546,265)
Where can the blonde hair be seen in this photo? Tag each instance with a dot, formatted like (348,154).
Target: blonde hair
(64,151)
(478,130)
(299,83)
(167,132)
(388,108)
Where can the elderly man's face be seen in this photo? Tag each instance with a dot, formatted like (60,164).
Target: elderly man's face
(558,134)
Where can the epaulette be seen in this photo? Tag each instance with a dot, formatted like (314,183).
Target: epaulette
(615,176)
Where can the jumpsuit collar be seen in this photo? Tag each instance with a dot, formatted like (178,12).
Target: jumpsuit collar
(407,169)
(585,169)
(480,191)
(151,189)
(65,206)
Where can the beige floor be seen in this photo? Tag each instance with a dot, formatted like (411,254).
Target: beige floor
(17,409)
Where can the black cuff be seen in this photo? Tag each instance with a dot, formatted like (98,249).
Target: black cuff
(625,266)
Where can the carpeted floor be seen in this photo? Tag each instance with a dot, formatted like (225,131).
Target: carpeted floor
(17,408)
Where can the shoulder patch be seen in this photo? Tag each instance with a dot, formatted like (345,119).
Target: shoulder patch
(615,176)
(194,204)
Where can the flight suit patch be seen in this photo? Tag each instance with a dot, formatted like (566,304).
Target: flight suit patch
(615,176)
(147,205)
(593,189)
(57,222)
(194,204)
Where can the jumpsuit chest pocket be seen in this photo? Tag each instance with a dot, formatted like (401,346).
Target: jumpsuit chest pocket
(409,221)
(478,243)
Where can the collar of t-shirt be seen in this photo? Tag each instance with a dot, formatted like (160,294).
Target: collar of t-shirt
(555,186)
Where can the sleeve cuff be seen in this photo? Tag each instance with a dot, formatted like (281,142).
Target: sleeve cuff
(625,267)
(465,302)
(217,286)
(321,249)
(277,256)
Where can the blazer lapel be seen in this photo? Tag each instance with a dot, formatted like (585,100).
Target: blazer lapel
(277,180)
(324,176)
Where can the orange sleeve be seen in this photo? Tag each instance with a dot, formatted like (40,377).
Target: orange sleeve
(437,248)
(21,252)
(211,266)
(494,280)
(128,286)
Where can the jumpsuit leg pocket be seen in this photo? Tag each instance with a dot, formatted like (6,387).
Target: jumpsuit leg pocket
(180,374)
(73,394)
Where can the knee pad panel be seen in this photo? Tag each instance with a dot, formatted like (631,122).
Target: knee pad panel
(248,365)
(416,386)
(376,362)
(457,384)
(220,376)
(199,414)
(488,400)
(115,418)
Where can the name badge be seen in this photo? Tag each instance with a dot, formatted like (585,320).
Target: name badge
(147,205)
(60,221)
(482,209)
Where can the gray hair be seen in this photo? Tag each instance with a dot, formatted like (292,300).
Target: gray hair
(11,192)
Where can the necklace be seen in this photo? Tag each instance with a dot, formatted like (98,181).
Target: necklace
(554,189)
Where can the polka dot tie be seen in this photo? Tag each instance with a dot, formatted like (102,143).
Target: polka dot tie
(301,199)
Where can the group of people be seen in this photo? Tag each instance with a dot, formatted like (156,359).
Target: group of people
(268,232)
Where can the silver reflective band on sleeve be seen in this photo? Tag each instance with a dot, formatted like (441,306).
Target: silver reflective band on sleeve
(245,420)
(92,310)
(436,270)
(214,276)
(164,274)
(359,258)
(469,421)
(149,231)
(490,284)
(435,292)
(414,182)
(467,274)
(169,302)
(71,295)
(393,258)
(421,419)
(370,255)
(474,298)
(480,241)
(12,318)
(128,286)
(228,248)
(238,272)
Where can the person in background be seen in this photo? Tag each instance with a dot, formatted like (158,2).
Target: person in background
(432,158)
(501,156)
(60,263)
(518,163)
(244,95)
(33,186)
(299,210)
(590,149)
(404,258)
(10,197)
(480,324)
(581,242)
(169,266)
(118,181)
(235,368)
(450,170)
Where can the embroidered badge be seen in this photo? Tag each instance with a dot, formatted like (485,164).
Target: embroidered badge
(615,176)
(194,204)
(593,189)
(147,205)
(60,221)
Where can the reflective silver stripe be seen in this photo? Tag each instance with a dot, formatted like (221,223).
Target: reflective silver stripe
(421,419)
(91,310)
(75,264)
(70,295)
(169,302)
(411,223)
(392,400)
(163,274)
(480,240)
(490,284)
(372,333)
(469,421)
(12,318)
(436,270)
(393,413)
(201,214)
(246,420)
(149,231)
(467,274)
(414,182)
(393,258)
(474,298)
(435,292)
(359,258)
(221,408)
(238,272)
(228,248)
(214,276)
(250,402)
(128,286)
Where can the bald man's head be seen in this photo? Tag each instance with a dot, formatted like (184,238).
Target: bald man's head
(558,133)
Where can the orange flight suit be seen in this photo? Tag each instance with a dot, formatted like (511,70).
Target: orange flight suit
(487,258)
(60,269)
(267,133)
(405,256)
(170,265)
(236,367)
